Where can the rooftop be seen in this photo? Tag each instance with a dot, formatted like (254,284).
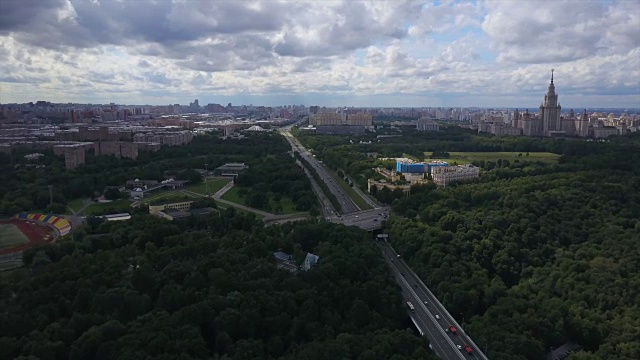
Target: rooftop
(233,166)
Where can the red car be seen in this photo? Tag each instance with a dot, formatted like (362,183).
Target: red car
(467,348)
(452,329)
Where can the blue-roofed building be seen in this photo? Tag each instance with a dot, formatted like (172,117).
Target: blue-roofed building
(310,261)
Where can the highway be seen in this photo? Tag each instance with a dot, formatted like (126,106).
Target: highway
(429,314)
(346,203)
(427,306)
(367,219)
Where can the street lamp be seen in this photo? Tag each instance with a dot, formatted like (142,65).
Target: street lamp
(206,175)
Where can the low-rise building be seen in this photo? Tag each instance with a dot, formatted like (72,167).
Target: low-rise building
(309,262)
(230,169)
(137,183)
(380,184)
(285,261)
(116,217)
(140,192)
(445,175)
(159,209)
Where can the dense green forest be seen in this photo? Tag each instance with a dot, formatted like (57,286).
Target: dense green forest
(207,289)
(274,178)
(23,186)
(532,255)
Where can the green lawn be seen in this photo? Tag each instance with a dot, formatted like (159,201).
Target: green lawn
(233,195)
(407,156)
(11,236)
(288,206)
(214,185)
(469,157)
(116,206)
(76,204)
(223,207)
(169,195)
(349,191)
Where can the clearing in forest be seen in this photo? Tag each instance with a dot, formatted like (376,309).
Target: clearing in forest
(469,157)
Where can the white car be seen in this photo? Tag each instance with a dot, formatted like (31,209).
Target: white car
(459,347)
(437,317)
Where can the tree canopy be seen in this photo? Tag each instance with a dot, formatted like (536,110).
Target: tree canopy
(149,288)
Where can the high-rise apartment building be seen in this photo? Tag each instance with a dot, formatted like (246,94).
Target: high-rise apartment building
(359,119)
(73,157)
(427,124)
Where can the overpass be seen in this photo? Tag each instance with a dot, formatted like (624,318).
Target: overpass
(429,316)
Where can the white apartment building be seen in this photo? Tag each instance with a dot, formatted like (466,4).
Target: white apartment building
(445,175)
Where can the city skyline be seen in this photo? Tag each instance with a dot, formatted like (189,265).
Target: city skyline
(363,54)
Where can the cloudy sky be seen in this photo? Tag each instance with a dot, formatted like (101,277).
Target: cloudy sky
(324,52)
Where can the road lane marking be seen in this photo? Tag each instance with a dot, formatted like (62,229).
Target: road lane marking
(433,319)
(477,352)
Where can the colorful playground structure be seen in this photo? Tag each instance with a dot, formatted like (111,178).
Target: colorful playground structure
(60,224)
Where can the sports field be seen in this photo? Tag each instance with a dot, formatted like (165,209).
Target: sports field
(11,236)
(469,157)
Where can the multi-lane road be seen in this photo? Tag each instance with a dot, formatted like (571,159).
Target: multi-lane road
(367,219)
(429,314)
(346,203)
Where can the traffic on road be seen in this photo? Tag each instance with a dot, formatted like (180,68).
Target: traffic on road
(446,336)
(346,203)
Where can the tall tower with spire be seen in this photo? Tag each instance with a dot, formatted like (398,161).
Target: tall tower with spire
(550,110)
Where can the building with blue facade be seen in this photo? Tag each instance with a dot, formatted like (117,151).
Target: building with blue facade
(409,168)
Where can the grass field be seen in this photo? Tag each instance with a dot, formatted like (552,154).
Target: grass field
(177,195)
(288,207)
(214,186)
(11,236)
(223,207)
(122,205)
(349,191)
(76,204)
(233,195)
(469,157)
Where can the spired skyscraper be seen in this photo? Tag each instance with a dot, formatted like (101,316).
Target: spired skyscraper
(550,111)
(547,122)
